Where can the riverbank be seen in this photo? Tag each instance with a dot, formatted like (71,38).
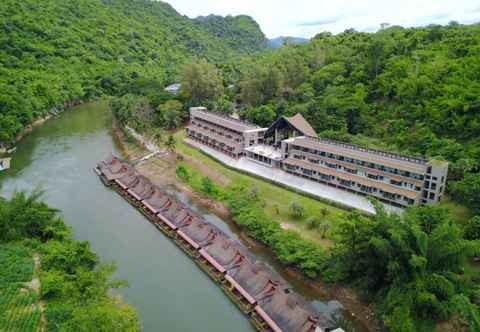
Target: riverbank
(4,147)
(162,172)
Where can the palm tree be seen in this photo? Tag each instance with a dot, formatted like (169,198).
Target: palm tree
(297,210)
(324,226)
(158,136)
(170,143)
(324,212)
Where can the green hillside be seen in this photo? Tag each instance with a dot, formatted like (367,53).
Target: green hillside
(237,31)
(56,52)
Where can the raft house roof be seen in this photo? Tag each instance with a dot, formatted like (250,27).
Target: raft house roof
(130,179)
(290,312)
(156,201)
(143,189)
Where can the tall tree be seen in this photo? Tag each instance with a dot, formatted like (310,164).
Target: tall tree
(201,82)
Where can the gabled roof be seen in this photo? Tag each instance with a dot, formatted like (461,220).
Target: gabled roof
(297,122)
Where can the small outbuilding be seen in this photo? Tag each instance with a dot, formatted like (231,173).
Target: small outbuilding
(173,88)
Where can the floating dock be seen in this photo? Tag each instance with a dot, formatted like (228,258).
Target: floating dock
(266,298)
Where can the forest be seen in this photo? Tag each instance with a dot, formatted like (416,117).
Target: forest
(75,285)
(56,53)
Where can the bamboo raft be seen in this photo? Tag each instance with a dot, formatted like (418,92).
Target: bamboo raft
(266,298)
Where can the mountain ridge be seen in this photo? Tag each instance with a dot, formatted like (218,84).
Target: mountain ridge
(280,40)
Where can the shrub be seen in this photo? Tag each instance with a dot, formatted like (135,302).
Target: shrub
(182,173)
(472,229)
(313,223)
(208,186)
(297,210)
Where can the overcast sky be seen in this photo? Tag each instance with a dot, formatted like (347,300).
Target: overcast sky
(306,18)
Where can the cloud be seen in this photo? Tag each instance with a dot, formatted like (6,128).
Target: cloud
(306,18)
(436,17)
(320,22)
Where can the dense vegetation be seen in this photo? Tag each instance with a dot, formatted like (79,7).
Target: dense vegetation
(237,31)
(414,90)
(413,266)
(57,52)
(74,284)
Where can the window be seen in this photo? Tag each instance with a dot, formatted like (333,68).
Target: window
(429,170)
(306,171)
(349,170)
(431,196)
(372,176)
(396,183)
(427,184)
(433,186)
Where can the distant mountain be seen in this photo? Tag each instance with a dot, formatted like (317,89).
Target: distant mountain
(238,32)
(279,41)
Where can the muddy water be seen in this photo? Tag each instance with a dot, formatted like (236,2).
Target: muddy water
(166,287)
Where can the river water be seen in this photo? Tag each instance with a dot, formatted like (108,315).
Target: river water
(166,287)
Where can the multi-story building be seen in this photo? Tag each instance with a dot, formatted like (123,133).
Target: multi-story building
(226,134)
(391,178)
(292,145)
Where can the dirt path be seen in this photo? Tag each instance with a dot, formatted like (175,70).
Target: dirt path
(35,285)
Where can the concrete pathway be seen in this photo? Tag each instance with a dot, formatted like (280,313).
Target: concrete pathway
(277,175)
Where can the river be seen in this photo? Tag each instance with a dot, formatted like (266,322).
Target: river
(166,287)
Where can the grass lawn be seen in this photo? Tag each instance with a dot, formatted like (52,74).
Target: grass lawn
(277,199)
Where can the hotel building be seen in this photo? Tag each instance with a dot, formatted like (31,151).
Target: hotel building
(223,133)
(292,145)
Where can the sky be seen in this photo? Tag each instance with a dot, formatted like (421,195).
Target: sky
(306,18)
